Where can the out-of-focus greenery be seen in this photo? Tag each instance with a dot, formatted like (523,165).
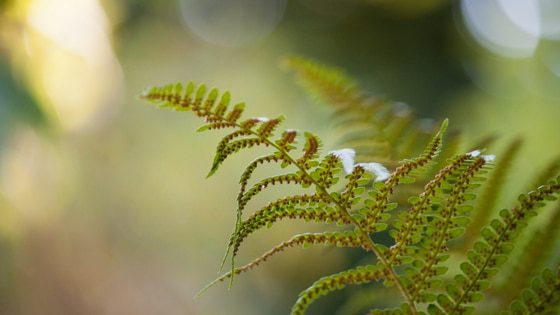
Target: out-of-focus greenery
(102,207)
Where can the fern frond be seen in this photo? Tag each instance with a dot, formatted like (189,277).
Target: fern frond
(364,299)
(486,257)
(484,208)
(307,207)
(291,207)
(377,129)
(328,170)
(285,143)
(328,84)
(290,178)
(403,310)
(373,215)
(533,257)
(325,285)
(346,239)
(550,171)
(248,172)
(484,142)
(310,150)
(408,226)
(542,297)
(226,147)
(451,149)
(247,133)
(366,197)
(447,222)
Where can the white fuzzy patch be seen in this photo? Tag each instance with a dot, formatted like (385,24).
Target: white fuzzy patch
(489,158)
(346,157)
(381,172)
(474,153)
(401,109)
(427,125)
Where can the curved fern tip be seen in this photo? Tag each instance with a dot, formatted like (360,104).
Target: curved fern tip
(214,168)
(146,92)
(444,125)
(443,128)
(209,286)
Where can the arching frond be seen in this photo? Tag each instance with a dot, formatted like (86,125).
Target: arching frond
(489,254)
(549,172)
(328,84)
(541,297)
(345,239)
(409,225)
(394,311)
(532,259)
(362,189)
(492,190)
(325,285)
(374,213)
(377,129)
(322,207)
(446,222)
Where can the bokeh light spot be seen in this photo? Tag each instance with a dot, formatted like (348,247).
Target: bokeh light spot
(504,28)
(233,23)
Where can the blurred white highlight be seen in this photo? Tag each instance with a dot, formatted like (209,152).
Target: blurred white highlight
(381,172)
(232,23)
(346,157)
(70,63)
(512,28)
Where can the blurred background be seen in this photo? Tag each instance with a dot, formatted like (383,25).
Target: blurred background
(104,206)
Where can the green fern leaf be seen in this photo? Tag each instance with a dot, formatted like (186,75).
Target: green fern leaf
(489,196)
(375,212)
(310,150)
(542,297)
(440,229)
(293,207)
(532,258)
(327,84)
(549,172)
(291,178)
(325,285)
(374,127)
(408,225)
(484,261)
(403,310)
(346,239)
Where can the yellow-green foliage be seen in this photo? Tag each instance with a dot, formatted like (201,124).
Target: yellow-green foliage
(367,200)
